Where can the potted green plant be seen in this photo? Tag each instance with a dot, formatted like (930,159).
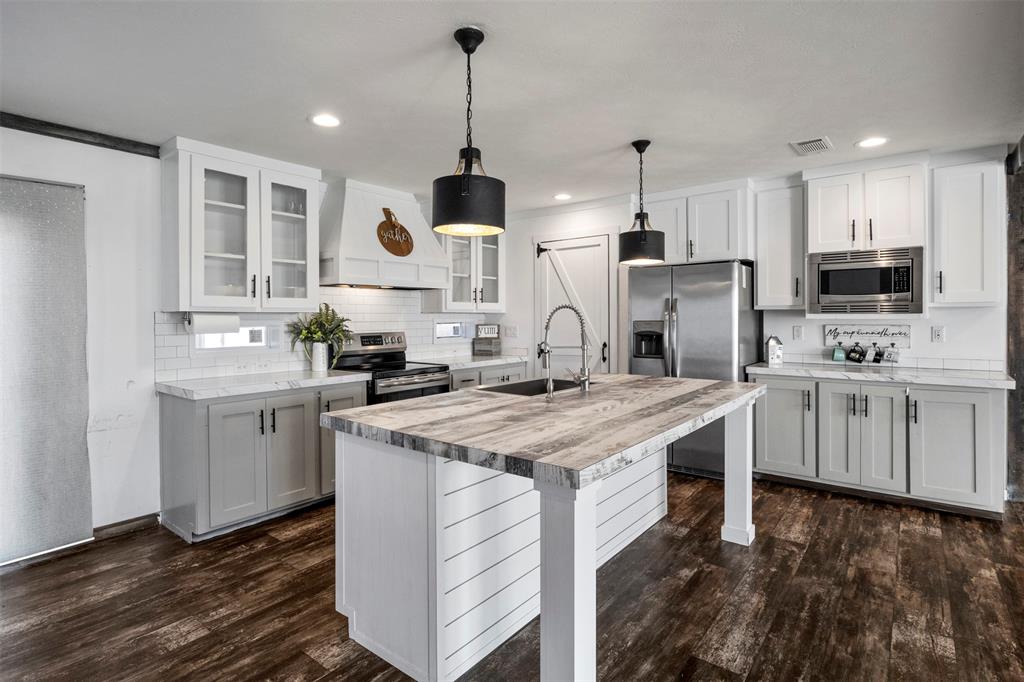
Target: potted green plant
(316,332)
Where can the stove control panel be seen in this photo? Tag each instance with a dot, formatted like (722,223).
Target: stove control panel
(375,342)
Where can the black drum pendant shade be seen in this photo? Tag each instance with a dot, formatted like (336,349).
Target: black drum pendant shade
(468,203)
(641,245)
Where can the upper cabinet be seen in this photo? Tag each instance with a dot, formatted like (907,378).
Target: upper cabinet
(969,230)
(779,235)
(478,277)
(240,232)
(879,209)
(702,226)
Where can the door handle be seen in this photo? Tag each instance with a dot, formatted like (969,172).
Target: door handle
(675,335)
(261,423)
(254,286)
(864,412)
(666,350)
(273,420)
(268,286)
(853,403)
(853,228)
(604,352)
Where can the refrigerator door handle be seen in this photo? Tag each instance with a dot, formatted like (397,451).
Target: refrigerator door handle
(675,336)
(666,347)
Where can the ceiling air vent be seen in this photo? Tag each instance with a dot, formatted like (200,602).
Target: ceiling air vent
(815,145)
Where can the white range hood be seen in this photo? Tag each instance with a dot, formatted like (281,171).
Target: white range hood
(352,249)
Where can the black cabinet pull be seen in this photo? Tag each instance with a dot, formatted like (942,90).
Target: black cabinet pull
(808,395)
(273,420)
(865,410)
(261,423)
(913,410)
(797,294)
(604,352)
(254,286)
(268,286)
(691,248)
(871,231)
(940,281)
(853,403)
(327,406)
(853,226)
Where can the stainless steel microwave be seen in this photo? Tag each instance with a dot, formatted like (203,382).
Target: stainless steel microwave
(882,281)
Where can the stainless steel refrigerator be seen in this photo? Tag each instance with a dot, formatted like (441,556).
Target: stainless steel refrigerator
(695,321)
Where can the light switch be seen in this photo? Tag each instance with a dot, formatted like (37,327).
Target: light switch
(798,332)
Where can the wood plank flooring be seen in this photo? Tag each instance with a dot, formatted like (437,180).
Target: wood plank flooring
(835,587)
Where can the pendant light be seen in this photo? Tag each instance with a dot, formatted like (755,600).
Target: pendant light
(468,203)
(641,245)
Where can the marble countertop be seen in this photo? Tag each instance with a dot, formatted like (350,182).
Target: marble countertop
(249,384)
(965,378)
(456,362)
(573,441)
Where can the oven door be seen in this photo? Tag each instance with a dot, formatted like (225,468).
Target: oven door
(400,388)
(874,282)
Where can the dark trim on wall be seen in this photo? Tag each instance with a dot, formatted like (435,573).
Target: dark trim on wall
(1015,336)
(34,125)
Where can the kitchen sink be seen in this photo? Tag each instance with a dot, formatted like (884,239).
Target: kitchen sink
(531,387)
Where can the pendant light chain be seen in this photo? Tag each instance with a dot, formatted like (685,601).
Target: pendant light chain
(642,221)
(469,105)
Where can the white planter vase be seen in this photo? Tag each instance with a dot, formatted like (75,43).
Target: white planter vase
(318,358)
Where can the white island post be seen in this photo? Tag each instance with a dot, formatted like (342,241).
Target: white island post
(569,448)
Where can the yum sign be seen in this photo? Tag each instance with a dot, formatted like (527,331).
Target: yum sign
(393,236)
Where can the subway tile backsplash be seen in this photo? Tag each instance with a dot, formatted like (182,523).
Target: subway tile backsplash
(369,309)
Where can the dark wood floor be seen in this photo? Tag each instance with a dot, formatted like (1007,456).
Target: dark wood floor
(834,588)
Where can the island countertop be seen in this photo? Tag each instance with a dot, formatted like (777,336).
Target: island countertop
(572,441)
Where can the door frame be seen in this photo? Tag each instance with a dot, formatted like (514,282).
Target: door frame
(607,233)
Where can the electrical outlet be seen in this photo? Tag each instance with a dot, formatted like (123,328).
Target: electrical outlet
(798,332)
(939,334)
(263,366)
(512,331)
(243,368)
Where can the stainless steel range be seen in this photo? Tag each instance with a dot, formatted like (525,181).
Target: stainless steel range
(394,377)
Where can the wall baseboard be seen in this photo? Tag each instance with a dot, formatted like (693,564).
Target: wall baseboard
(126,526)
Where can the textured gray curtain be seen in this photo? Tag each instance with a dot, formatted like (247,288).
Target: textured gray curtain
(45,497)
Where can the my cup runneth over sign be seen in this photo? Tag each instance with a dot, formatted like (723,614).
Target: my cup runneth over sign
(866,334)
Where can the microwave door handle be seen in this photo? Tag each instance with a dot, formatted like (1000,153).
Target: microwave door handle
(675,337)
(666,346)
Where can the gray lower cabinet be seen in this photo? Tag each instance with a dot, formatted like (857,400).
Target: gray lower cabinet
(488,376)
(343,398)
(784,427)
(291,450)
(238,463)
(465,378)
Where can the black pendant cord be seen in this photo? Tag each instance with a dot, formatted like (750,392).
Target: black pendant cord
(469,114)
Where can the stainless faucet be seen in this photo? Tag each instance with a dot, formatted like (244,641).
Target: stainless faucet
(544,350)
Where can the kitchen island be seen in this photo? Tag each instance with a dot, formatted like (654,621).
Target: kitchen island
(459,516)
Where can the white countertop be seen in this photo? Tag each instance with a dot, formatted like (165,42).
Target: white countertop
(455,362)
(248,384)
(889,373)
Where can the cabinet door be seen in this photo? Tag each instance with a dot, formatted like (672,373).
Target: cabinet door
(835,208)
(713,226)
(670,218)
(504,374)
(289,238)
(238,461)
(462,293)
(780,248)
(969,231)
(291,450)
(490,271)
(333,400)
(838,432)
(785,427)
(950,446)
(465,378)
(225,238)
(883,437)
(894,208)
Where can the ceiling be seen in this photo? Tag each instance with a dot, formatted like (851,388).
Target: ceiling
(560,88)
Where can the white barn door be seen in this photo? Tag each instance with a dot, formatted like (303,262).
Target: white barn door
(573,271)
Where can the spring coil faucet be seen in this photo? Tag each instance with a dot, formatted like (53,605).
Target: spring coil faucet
(544,352)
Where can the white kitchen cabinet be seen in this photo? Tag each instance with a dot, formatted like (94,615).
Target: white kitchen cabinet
(240,232)
(478,277)
(780,234)
(291,450)
(883,208)
(894,207)
(785,427)
(332,400)
(835,208)
(713,226)
(968,235)
(862,435)
(465,378)
(238,464)
(951,453)
(504,374)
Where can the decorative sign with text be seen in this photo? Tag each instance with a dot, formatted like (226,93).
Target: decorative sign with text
(393,236)
(866,334)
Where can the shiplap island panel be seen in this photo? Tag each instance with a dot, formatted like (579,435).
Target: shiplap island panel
(462,516)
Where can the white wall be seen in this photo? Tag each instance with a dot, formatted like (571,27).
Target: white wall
(122,221)
(525,230)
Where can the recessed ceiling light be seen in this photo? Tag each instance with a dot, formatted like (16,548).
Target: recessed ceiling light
(872,142)
(562,196)
(325,120)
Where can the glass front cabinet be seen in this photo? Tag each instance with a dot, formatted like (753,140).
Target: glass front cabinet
(241,232)
(478,276)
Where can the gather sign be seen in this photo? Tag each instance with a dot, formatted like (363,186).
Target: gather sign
(393,236)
